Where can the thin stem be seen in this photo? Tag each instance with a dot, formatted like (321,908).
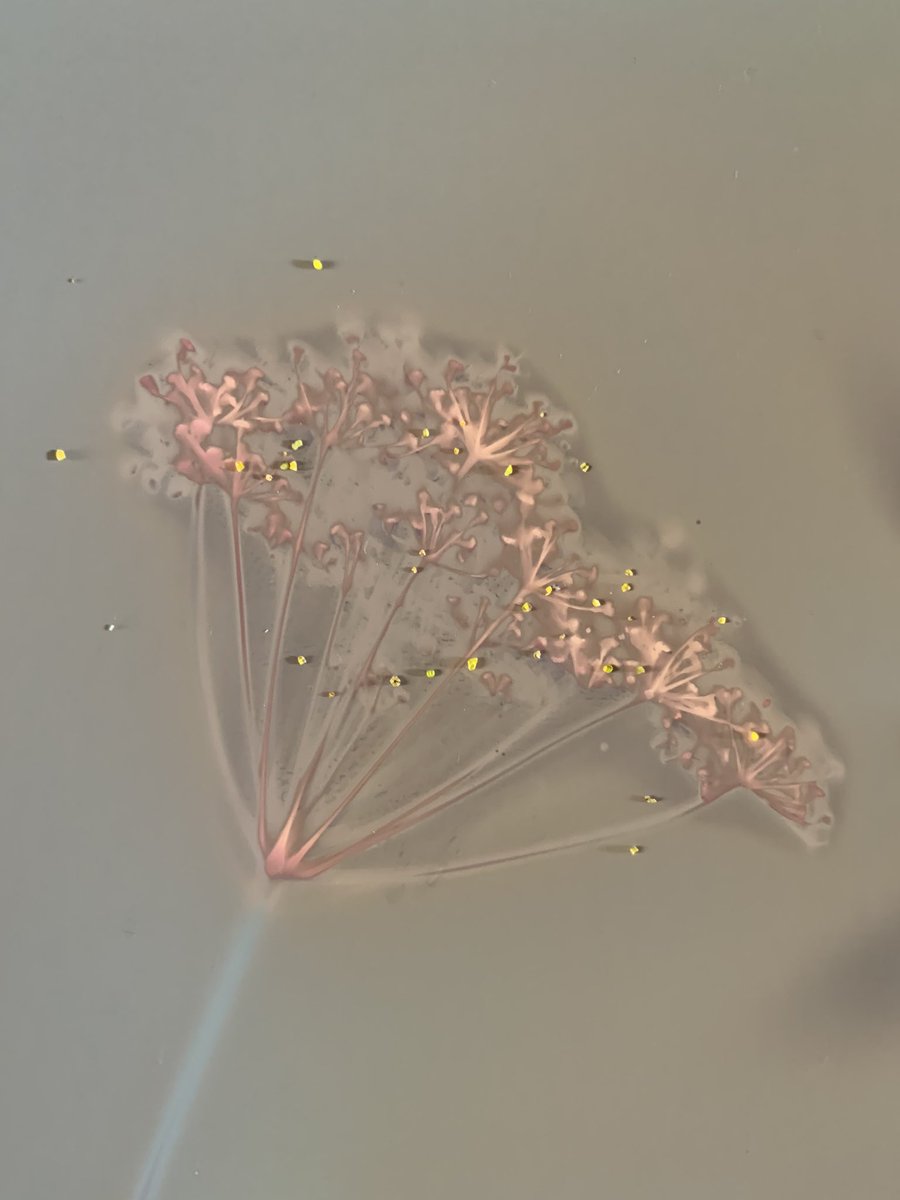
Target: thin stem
(278,646)
(415,815)
(334,730)
(235,792)
(341,715)
(242,606)
(568,844)
(394,742)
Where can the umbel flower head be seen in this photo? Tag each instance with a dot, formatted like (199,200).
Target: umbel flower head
(416,613)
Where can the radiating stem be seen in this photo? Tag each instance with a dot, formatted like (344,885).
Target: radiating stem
(577,842)
(394,742)
(242,607)
(429,806)
(277,649)
(333,730)
(235,791)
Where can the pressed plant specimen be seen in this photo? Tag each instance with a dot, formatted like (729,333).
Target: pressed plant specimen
(399,609)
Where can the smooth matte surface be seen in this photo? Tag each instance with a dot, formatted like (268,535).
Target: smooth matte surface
(685,215)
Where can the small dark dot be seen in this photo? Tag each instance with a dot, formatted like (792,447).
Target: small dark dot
(698,521)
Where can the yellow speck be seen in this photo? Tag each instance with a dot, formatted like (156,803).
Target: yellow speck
(527,606)
(549,589)
(542,413)
(595,603)
(56,455)
(269,477)
(537,654)
(297,444)
(510,470)
(630,618)
(584,467)
(462,424)
(650,799)
(471,664)
(456,450)
(240,466)
(608,668)
(627,587)
(630,572)
(413,570)
(282,466)
(633,850)
(292,465)
(299,659)
(561,637)
(721,620)
(423,552)
(426,433)
(318,265)
(395,681)
(430,673)
(753,735)
(330,695)
(639,670)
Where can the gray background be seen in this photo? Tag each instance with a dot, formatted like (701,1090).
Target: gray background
(686,213)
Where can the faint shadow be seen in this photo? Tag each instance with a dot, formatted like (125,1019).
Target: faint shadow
(853,999)
(873,424)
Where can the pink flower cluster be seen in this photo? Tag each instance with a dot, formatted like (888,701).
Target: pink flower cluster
(467,497)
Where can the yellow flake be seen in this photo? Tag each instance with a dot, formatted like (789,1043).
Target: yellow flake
(297,443)
(650,799)
(537,654)
(630,571)
(330,695)
(527,606)
(430,673)
(753,735)
(510,470)
(627,587)
(456,450)
(318,265)
(423,553)
(721,620)
(395,681)
(639,670)
(633,850)
(595,603)
(292,465)
(56,456)
(471,664)
(584,467)
(608,668)
(426,433)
